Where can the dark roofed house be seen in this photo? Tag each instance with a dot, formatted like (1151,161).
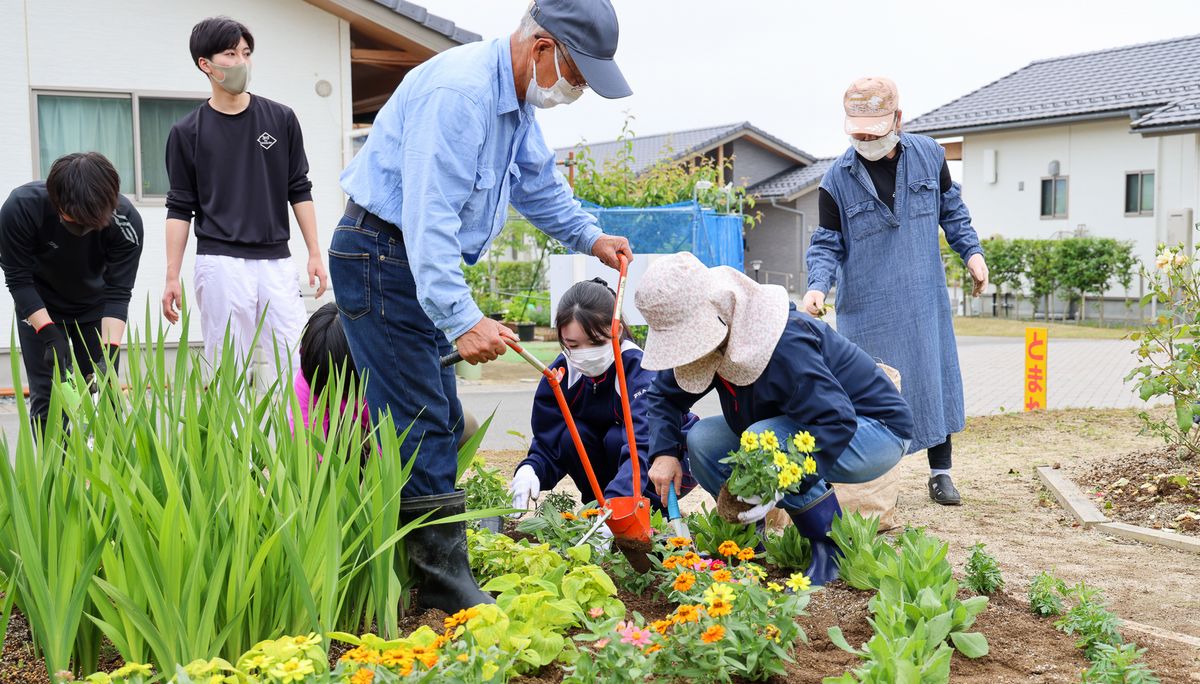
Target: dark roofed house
(780,175)
(1102,143)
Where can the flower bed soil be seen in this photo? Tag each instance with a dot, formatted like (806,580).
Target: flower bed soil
(1023,647)
(1155,489)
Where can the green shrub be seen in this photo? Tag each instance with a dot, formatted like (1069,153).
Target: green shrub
(1119,665)
(789,549)
(982,572)
(1045,594)
(1091,621)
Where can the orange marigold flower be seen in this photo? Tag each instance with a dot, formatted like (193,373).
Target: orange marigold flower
(589,513)
(652,648)
(714,633)
(719,607)
(691,558)
(428,659)
(671,562)
(568,515)
(679,542)
(661,626)
(687,613)
(684,581)
(722,576)
(728,548)
(746,554)
(363,676)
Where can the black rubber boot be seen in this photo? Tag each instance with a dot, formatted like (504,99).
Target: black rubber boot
(439,554)
(814,522)
(760,531)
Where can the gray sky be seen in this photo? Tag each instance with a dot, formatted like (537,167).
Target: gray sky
(783,65)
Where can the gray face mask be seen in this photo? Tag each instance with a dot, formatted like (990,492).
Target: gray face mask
(237,77)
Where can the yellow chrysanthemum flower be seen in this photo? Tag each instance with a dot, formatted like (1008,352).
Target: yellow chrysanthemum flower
(768,440)
(804,442)
(749,441)
(810,465)
(786,479)
(773,586)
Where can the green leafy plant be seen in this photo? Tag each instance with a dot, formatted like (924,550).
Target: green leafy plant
(188,520)
(617,180)
(1119,665)
(563,531)
(864,552)
(560,502)
(788,549)
(765,465)
(485,487)
(1046,594)
(709,530)
(896,652)
(983,572)
(1090,621)
(493,555)
(1168,350)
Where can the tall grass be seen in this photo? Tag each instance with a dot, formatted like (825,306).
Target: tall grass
(183,519)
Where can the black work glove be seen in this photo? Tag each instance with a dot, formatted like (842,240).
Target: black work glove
(55,347)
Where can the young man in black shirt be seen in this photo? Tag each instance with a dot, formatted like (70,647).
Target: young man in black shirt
(235,164)
(70,247)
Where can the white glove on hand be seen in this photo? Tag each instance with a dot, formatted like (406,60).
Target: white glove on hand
(760,510)
(524,487)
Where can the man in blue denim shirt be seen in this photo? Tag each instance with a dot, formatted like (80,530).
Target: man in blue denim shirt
(455,144)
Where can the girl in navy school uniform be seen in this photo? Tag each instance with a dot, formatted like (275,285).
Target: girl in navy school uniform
(584,323)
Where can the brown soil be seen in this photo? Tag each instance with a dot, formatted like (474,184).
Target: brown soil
(1157,489)
(729,507)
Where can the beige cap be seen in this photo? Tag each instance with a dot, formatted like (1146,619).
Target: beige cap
(871,105)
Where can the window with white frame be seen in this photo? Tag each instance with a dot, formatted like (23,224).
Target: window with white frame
(1139,193)
(129,128)
(1054,197)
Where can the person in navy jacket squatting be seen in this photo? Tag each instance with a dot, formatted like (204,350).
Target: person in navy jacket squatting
(775,368)
(584,320)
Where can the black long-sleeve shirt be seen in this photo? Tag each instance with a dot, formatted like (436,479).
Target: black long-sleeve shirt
(883,177)
(236,174)
(46,266)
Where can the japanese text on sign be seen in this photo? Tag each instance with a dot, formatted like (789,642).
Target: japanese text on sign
(1035,368)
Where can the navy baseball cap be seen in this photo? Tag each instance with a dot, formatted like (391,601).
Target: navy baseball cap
(588,29)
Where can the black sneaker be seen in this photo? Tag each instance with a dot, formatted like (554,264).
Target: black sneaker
(942,491)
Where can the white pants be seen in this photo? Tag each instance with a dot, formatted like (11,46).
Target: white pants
(234,294)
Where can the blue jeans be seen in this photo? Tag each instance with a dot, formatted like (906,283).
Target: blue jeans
(873,451)
(397,348)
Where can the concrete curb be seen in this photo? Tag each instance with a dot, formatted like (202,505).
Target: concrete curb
(1090,517)
(1153,631)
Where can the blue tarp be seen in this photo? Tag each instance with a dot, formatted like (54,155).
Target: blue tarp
(715,239)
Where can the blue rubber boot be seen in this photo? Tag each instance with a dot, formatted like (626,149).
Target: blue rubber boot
(814,522)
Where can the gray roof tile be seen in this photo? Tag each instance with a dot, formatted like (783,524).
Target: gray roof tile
(422,16)
(1136,77)
(792,181)
(650,149)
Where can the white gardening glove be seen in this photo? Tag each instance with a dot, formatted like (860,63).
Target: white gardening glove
(524,487)
(760,510)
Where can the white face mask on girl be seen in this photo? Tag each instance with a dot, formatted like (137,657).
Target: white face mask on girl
(591,361)
(562,92)
(874,150)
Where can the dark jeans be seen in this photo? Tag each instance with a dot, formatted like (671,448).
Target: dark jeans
(85,346)
(396,347)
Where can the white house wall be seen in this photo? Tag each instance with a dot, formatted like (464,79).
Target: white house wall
(1179,187)
(1095,157)
(142,45)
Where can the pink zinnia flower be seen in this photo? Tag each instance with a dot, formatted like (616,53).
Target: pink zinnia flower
(717,565)
(602,643)
(637,637)
(596,612)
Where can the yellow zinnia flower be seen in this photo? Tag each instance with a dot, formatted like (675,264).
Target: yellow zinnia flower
(719,591)
(294,670)
(781,460)
(804,442)
(719,608)
(768,440)
(810,465)
(773,586)
(799,582)
(749,441)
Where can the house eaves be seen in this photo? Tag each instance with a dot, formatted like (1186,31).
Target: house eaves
(407,21)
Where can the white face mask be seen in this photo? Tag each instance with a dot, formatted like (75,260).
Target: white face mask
(874,150)
(562,92)
(591,361)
